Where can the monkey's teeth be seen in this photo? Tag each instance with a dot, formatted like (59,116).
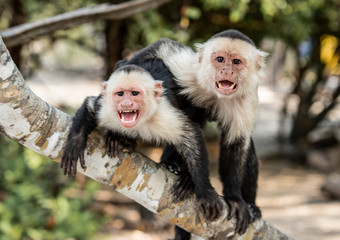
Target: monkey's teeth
(231,87)
(134,117)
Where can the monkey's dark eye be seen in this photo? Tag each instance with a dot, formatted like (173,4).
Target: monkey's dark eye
(120,93)
(220,59)
(135,93)
(237,61)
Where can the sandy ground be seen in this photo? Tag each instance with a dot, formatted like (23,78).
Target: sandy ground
(289,195)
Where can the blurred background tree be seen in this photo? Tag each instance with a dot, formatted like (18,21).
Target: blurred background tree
(302,37)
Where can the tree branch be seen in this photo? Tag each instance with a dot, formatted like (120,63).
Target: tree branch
(37,125)
(317,119)
(26,32)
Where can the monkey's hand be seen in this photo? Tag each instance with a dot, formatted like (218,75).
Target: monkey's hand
(210,204)
(255,212)
(73,151)
(241,210)
(183,186)
(112,141)
(173,167)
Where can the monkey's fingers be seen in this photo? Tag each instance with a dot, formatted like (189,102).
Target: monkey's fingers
(174,168)
(115,147)
(74,172)
(128,145)
(170,167)
(65,164)
(179,194)
(232,209)
(68,166)
(110,145)
(72,169)
(181,182)
(201,207)
(240,210)
(216,209)
(71,164)
(64,159)
(255,212)
(242,224)
(81,160)
(62,162)
(213,212)
(111,148)
(182,188)
(177,190)
(206,209)
(211,205)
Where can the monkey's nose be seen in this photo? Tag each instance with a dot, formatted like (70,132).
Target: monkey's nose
(127,104)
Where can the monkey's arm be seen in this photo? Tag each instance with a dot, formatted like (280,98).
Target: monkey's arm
(232,164)
(83,123)
(249,183)
(193,151)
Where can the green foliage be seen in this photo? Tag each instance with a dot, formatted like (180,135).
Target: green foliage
(38,9)
(291,20)
(193,13)
(153,26)
(34,199)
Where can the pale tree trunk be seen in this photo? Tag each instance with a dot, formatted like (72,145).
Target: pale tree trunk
(39,126)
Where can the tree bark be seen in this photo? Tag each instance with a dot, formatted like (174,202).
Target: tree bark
(26,32)
(39,126)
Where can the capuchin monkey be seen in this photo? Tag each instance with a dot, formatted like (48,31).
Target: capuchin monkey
(221,77)
(137,102)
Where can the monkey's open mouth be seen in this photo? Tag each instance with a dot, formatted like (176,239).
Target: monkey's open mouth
(128,118)
(226,86)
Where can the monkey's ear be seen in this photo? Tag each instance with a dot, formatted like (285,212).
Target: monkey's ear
(260,61)
(199,49)
(158,91)
(104,84)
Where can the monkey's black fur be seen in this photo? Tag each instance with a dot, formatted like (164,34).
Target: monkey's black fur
(191,149)
(239,177)
(233,34)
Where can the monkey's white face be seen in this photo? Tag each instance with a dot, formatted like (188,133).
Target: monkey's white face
(131,98)
(228,66)
(130,105)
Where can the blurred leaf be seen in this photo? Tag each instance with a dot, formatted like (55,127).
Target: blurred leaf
(193,13)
